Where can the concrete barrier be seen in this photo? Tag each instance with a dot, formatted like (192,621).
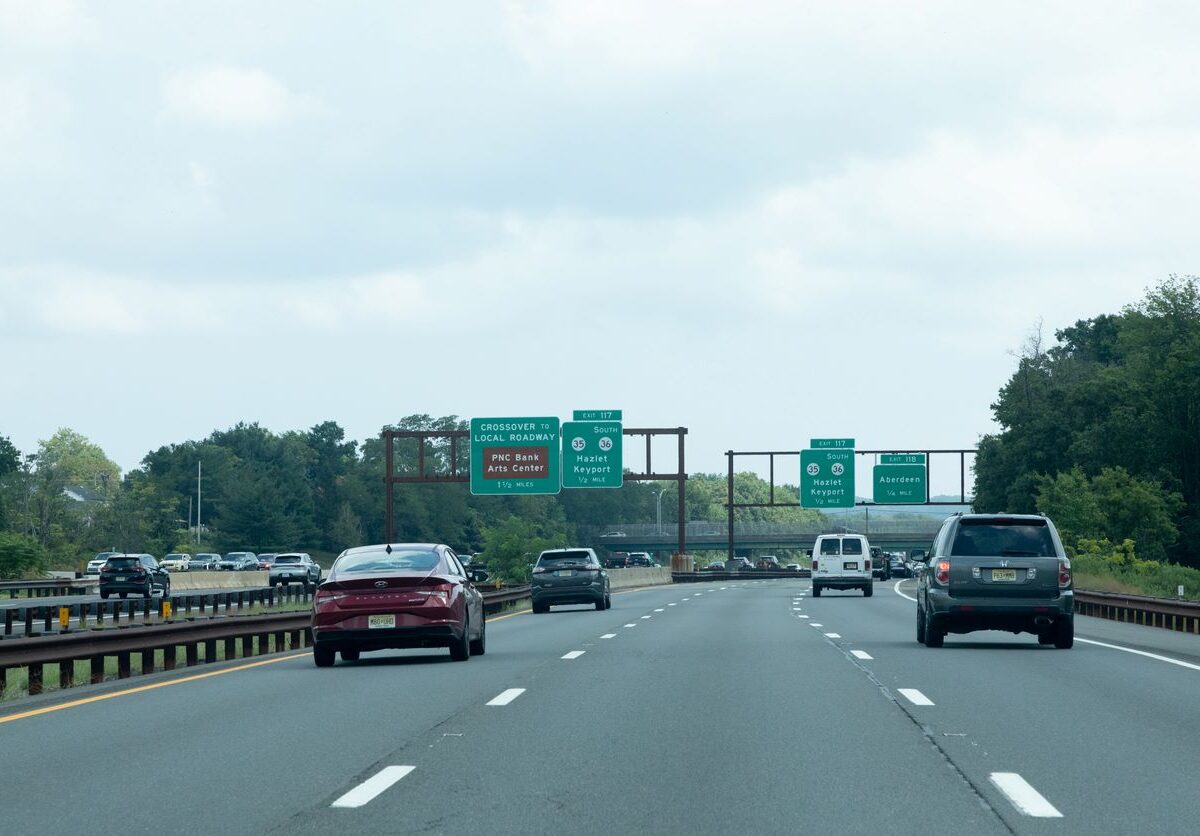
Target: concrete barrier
(183,581)
(638,576)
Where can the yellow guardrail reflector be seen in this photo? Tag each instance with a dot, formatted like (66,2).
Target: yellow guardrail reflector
(64,617)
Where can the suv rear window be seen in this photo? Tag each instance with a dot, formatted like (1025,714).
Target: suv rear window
(123,562)
(288,559)
(851,546)
(831,546)
(1001,537)
(562,558)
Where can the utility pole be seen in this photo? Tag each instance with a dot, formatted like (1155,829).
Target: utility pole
(199,472)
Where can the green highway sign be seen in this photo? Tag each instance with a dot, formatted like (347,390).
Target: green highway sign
(515,456)
(902,458)
(899,484)
(831,443)
(827,477)
(591,454)
(597,415)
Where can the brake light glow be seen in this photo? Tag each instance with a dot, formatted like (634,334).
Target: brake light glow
(942,573)
(1064,573)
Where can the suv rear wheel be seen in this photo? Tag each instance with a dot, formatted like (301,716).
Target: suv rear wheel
(920,625)
(934,635)
(1064,634)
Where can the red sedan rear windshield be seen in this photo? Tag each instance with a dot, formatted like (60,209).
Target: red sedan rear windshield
(400,560)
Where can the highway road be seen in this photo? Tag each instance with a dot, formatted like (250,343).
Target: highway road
(726,707)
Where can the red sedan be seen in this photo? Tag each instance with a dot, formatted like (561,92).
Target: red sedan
(401,595)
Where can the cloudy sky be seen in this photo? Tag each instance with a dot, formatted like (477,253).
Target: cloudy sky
(762,221)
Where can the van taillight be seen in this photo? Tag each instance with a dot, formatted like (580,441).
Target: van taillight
(943,571)
(867,564)
(1064,573)
(814,566)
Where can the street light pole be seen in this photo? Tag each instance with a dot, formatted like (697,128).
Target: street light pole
(658,511)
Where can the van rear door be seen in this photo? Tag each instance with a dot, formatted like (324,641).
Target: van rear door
(827,554)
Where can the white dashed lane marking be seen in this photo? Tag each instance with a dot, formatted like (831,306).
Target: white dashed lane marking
(505,697)
(373,786)
(1023,796)
(574,654)
(672,605)
(861,654)
(660,609)
(644,617)
(915,697)
(609,636)
(631,624)
(832,635)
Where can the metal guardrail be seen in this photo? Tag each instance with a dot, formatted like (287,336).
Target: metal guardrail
(1168,613)
(47,586)
(256,635)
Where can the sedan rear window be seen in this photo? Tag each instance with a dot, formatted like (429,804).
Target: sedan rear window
(562,558)
(398,561)
(1003,538)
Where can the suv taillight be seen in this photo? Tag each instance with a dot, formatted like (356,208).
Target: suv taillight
(1064,573)
(942,571)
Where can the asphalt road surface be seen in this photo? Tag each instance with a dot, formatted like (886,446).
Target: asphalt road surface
(725,707)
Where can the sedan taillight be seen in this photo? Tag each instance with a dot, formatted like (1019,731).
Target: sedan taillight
(328,596)
(1064,573)
(942,571)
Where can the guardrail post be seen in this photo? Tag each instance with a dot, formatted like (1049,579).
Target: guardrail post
(271,597)
(9,615)
(35,679)
(279,641)
(192,654)
(96,673)
(28,621)
(201,607)
(46,619)
(66,674)
(147,661)
(123,669)
(231,648)
(146,608)
(3,681)
(210,651)
(247,646)
(169,653)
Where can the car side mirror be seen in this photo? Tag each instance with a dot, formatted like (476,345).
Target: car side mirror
(479,575)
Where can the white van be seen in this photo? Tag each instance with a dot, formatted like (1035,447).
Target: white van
(841,561)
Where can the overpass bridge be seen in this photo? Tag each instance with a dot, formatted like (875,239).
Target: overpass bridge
(714,536)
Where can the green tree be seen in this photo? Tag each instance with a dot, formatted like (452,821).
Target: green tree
(513,543)
(20,556)
(1068,499)
(77,461)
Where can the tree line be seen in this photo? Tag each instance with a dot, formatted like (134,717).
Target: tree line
(312,490)
(1102,430)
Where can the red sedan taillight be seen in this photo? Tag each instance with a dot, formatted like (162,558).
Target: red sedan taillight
(1064,573)
(942,572)
(328,596)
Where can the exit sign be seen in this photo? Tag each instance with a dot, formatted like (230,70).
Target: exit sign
(831,443)
(902,458)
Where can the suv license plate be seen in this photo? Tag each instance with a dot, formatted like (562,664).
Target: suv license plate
(850,565)
(374,621)
(564,573)
(1004,574)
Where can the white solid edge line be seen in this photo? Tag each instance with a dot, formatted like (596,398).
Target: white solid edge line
(373,786)
(505,697)
(574,654)
(609,636)
(1147,654)
(1023,796)
(1166,659)
(861,654)
(914,696)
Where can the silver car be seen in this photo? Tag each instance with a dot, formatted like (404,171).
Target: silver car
(294,567)
(996,572)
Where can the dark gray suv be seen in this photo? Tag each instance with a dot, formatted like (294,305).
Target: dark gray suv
(996,572)
(569,576)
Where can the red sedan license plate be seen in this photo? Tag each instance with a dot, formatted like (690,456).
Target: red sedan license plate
(376,621)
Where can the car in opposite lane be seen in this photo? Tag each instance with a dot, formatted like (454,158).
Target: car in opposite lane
(996,572)
(569,576)
(138,573)
(294,567)
(397,596)
(176,562)
(204,562)
(96,563)
(238,562)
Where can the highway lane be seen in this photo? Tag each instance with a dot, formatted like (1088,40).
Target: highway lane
(1109,738)
(726,712)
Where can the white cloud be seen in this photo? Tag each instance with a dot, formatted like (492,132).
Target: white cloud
(44,23)
(233,97)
